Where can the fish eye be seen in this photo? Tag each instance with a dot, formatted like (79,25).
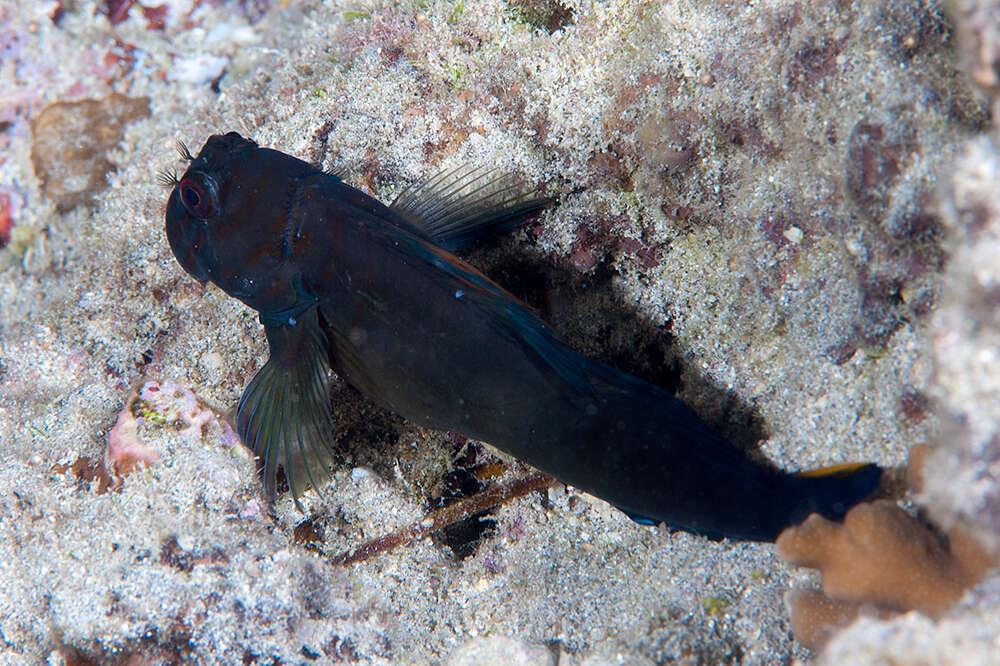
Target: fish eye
(196,197)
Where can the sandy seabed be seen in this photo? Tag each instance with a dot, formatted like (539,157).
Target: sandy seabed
(770,200)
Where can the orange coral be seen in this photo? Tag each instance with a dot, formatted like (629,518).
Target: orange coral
(815,617)
(879,554)
(881,559)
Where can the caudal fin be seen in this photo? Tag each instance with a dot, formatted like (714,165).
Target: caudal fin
(832,491)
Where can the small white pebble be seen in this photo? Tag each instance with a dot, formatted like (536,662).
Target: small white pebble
(210,361)
(359,473)
(793,234)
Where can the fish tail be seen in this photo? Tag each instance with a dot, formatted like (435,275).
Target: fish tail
(831,491)
(692,478)
(284,413)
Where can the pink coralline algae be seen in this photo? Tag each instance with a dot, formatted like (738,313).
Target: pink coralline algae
(161,403)
(125,450)
(155,15)
(10,205)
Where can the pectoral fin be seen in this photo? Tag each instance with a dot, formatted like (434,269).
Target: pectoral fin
(284,414)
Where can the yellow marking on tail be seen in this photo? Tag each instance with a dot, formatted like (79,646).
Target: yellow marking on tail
(845,469)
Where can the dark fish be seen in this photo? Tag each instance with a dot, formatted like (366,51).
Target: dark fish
(343,282)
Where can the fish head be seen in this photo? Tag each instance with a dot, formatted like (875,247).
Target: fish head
(227,218)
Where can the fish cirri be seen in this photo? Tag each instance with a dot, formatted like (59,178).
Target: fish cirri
(373,292)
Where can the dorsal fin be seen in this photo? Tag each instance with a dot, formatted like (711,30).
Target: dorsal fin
(338,171)
(456,208)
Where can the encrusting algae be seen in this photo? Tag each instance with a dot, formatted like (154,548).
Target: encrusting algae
(73,172)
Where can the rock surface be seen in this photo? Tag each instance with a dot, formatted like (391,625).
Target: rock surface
(760,230)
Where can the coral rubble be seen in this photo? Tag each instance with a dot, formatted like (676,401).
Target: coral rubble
(71,142)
